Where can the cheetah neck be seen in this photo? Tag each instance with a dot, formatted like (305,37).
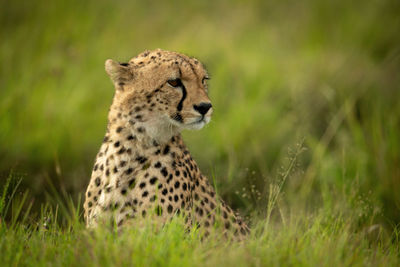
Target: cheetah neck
(138,139)
(145,128)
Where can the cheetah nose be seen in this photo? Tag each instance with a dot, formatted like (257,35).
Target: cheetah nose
(202,108)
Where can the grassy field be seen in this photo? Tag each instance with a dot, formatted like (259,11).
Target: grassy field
(304,141)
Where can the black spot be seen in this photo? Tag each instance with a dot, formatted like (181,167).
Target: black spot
(169,209)
(95,167)
(119,129)
(177,173)
(90,204)
(184,186)
(157,165)
(122,163)
(144,213)
(153,198)
(138,117)
(155,143)
(164,172)
(145,194)
(141,159)
(166,150)
(165,191)
(142,185)
(199,211)
(158,210)
(107,172)
(123,191)
(105,139)
(169,178)
(129,171)
(116,144)
(141,130)
(97,181)
(176,198)
(124,64)
(130,137)
(177,184)
(115,170)
(89,194)
(132,183)
(122,150)
(153,180)
(137,109)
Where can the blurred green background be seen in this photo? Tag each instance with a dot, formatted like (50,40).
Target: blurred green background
(324,74)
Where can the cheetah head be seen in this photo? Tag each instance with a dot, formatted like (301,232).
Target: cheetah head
(162,91)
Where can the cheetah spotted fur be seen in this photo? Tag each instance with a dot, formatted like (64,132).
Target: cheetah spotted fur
(143,167)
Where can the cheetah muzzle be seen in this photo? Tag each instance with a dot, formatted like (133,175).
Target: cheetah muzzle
(143,167)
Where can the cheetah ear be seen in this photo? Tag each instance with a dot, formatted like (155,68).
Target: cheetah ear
(120,73)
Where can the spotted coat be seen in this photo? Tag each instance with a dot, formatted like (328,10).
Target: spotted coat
(143,167)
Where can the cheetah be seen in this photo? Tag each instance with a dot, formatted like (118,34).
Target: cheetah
(143,166)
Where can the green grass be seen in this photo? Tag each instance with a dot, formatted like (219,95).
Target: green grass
(325,237)
(304,139)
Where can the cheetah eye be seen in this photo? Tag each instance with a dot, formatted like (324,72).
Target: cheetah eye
(175,82)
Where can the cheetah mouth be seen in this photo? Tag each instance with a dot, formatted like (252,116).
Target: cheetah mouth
(192,123)
(198,123)
(200,120)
